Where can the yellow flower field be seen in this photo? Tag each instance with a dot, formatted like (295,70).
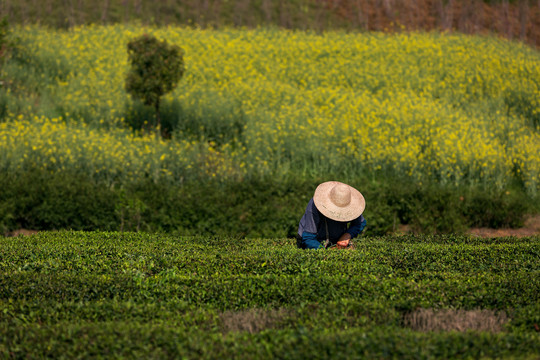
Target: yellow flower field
(53,145)
(434,107)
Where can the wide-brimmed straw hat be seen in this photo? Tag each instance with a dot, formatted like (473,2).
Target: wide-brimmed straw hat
(339,201)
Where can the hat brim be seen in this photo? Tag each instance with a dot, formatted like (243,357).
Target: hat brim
(346,213)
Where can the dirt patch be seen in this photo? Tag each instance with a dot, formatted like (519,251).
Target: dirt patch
(531,227)
(252,320)
(22,232)
(455,320)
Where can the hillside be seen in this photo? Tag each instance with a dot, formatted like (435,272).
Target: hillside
(515,20)
(422,123)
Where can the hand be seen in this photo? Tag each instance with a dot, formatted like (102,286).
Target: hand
(343,243)
(344,240)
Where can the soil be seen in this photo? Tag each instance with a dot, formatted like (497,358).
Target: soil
(531,227)
(22,232)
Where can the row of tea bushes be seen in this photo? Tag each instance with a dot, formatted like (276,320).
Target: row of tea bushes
(90,294)
(36,199)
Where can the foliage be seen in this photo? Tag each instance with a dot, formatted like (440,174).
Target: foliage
(155,69)
(126,294)
(436,130)
(40,200)
(4,32)
(250,208)
(5,47)
(430,107)
(509,18)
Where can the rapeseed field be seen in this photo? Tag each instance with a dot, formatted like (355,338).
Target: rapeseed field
(447,108)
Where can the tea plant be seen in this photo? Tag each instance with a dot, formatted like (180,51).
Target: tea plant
(114,294)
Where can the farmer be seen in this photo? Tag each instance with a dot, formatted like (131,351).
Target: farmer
(333,217)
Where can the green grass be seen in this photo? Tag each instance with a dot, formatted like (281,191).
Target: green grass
(86,295)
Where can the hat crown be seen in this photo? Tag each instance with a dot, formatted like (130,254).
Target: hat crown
(340,195)
(338,201)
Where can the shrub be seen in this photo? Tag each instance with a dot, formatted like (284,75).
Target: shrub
(496,209)
(4,31)
(156,68)
(39,200)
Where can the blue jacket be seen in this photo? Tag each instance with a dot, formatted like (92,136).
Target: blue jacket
(313,226)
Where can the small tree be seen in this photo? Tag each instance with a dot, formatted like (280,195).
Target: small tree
(155,69)
(5,43)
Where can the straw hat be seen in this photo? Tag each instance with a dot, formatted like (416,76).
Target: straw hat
(339,201)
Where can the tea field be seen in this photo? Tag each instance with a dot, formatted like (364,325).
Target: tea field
(69,294)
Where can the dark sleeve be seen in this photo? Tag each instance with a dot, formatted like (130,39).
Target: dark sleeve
(357,226)
(309,240)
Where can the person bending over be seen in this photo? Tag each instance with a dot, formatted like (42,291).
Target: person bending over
(333,217)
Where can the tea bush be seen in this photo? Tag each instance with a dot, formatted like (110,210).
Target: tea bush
(251,208)
(66,294)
